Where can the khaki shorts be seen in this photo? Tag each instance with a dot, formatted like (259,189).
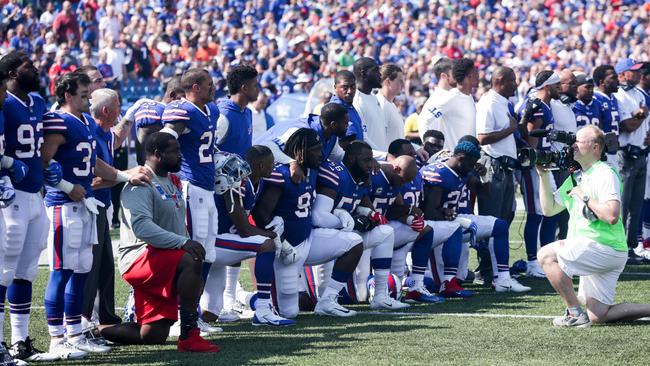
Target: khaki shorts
(597,265)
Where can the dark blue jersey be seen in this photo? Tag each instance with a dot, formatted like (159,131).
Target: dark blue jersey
(336,176)
(105,148)
(382,193)
(610,118)
(440,175)
(149,114)
(294,205)
(412,191)
(77,155)
(197,141)
(588,114)
(24,137)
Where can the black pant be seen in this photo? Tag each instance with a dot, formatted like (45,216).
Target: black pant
(102,275)
(121,162)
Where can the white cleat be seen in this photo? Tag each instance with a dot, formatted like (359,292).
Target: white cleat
(533,269)
(204,327)
(509,285)
(228,316)
(268,316)
(642,251)
(175,330)
(66,351)
(242,310)
(87,346)
(330,307)
(386,302)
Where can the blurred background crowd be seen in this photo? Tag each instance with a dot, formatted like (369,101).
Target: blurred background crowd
(139,44)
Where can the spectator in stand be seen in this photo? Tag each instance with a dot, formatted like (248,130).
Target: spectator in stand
(65,24)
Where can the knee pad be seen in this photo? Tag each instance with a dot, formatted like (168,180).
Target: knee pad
(15,239)
(288,305)
(286,278)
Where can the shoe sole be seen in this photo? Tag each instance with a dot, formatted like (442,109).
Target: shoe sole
(348,315)
(272,325)
(378,307)
(586,325)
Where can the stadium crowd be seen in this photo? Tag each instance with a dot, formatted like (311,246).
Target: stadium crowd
(371,198)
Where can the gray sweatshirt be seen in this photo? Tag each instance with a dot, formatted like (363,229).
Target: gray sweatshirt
(150,216)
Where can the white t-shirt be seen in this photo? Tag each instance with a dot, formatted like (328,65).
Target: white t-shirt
(116,58)
(492,114)
(372,118)
(394,120)
(259,122)
(629,102)
(453,114)
(424,124)
(563,120)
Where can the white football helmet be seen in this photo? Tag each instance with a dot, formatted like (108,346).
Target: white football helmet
(229,171)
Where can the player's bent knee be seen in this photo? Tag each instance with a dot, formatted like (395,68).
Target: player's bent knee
(267,246)
(427,229)
(500,227)
(546,255)
(154,334)
(187,263)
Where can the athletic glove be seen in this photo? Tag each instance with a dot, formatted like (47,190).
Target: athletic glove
(53,173)
(7,193)
(276,225)
(346,219)
(362,223)
(92,204)
(17,169)
(130,113)
(377,218)
(416,222)
(470,228)
(533,107)
(285,251)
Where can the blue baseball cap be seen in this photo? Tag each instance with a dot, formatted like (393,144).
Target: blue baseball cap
(627,64)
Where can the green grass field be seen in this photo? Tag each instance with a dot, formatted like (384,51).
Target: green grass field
(488,329)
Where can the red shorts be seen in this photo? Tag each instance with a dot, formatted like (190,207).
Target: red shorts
(152,277)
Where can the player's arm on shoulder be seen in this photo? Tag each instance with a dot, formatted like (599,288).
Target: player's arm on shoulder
(266,203)
(398,210)
(143,132)
(240,219)
(322,215)
(111,176)
(138,206)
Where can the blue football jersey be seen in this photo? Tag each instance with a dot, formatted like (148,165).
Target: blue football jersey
(382,193)
(440,175)
(412,191)
(546,115)
(294,205)
(24,137)
(105,148)
(610,118)
(280,133)
(249,196)
(336,176)
(149,114)
(587,114)
(197,141)
(77,155)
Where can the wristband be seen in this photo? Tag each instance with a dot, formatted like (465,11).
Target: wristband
(6,162)
(65,186)
(170,131)
(122,176)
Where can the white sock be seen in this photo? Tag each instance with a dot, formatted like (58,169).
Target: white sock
(19,327)
(232,274)
(56,341)
(449,277)
(381,281)
(333,288)
(74,329)
(56,330)
(262,303)
(533,263)
(76,339)
(416,280)
(503,276)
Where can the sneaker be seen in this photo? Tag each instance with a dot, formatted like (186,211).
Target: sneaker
(92,335)
(228,316)
(66,351)
(87,346)
(5,357)
(195,343)
(269,316)
(421,294)
(386,302)
(329,306)
(643,250)
(478,279)
(25,350)
(242,310)
(580,320)
(508,285)
(206,328)
(533,269)
(452,288)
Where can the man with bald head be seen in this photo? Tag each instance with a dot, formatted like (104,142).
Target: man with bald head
(345,89)
(595,248)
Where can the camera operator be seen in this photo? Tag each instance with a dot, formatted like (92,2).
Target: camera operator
(536,114)
(595,247)
(632,152)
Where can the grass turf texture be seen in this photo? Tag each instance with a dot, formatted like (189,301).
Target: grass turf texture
(431,334)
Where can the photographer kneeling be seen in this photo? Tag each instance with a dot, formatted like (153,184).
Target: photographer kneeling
(595,248)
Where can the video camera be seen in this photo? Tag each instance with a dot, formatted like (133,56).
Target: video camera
(562,159)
